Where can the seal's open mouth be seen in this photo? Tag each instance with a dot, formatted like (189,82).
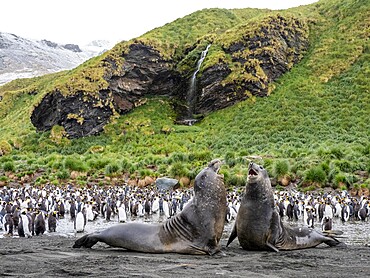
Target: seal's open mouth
(252,172)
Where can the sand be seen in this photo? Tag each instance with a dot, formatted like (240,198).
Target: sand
(53,256)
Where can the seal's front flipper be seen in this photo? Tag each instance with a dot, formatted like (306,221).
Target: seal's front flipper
(86,241)
(213,250)
(333,242)
(219,253)
(272,247)
(333,233)
(232,236)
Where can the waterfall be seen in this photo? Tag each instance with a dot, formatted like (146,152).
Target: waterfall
(190,97)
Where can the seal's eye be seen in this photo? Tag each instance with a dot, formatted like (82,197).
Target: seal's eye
(261,167)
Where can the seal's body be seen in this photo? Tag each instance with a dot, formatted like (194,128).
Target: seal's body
(258,224)
(197,229)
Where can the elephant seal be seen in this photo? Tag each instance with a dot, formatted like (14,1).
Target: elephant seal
(197,229)
(258,225)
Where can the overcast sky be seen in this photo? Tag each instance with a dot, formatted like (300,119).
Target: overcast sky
(82,21)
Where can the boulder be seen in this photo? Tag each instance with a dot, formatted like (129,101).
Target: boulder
(165,183)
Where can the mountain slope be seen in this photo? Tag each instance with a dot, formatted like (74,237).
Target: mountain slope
(312,129)
(24,58)
(259,52)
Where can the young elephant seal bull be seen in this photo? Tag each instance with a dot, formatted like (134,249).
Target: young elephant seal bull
(258,225)
(197,229)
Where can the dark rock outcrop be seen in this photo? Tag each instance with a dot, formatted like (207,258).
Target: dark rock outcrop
(50,43)
(259,57)
(72,47)
(80,115)
(145,73)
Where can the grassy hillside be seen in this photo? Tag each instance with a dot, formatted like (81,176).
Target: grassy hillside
(313,129)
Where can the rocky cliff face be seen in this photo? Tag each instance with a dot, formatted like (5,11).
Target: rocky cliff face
(257,59)
(80,115)
(145,73)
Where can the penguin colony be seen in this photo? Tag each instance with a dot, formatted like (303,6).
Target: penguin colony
(313,208)
(31,211)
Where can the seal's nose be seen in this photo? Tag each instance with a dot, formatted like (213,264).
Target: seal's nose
(251,164)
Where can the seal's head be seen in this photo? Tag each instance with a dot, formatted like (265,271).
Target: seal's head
(215,165)
(258,182)
(256,173)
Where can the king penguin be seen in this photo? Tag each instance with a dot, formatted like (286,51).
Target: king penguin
(40,226)
(155,205)
(166,209)
(122,217)
(52,221)
(25,223)
(327,224)
(8,224)
(80,221)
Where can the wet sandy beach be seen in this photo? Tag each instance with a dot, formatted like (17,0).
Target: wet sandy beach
(53,256)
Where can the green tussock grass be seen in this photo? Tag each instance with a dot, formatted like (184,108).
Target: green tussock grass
(314,127)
